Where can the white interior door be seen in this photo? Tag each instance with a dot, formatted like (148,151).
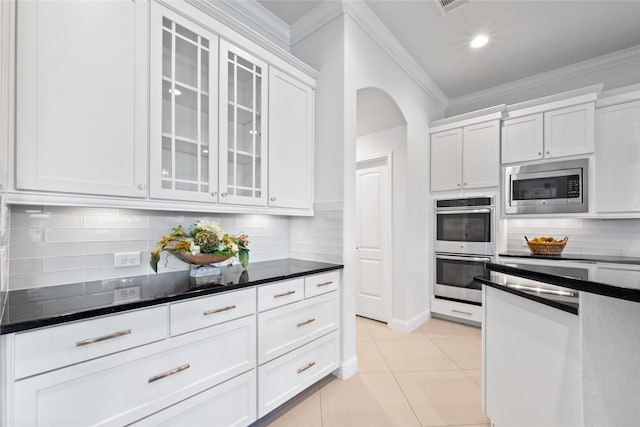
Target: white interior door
(373,201)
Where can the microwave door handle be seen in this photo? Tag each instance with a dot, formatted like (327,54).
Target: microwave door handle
(463,258)
(465,211)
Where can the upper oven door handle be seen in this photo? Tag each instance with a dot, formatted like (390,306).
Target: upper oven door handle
(463,258)
(462,211)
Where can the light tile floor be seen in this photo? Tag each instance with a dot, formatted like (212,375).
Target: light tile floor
(430,377)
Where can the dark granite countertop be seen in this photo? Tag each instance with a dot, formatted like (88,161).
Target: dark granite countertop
(25,309)
(614,259)
(563,299)
(610,282)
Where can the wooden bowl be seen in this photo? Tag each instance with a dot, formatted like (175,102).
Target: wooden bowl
(200,259)
(547,248)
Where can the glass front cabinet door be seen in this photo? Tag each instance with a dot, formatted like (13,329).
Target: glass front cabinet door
(243,127)
(183,107)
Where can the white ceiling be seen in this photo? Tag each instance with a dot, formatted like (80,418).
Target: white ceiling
(528,37)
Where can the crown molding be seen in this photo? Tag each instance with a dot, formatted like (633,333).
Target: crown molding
(315,19)
(220,13)
(358,10)
(478,116)
(567,72)
(619,95)
(252,13)
(561,100)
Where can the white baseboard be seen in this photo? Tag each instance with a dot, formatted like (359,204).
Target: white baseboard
(408,326)
(347,368)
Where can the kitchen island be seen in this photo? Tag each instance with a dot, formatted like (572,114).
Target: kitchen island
(561,350)
(160,350)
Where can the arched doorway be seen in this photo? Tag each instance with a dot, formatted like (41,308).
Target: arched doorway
(381,159)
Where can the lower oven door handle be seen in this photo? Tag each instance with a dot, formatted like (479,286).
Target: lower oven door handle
(463,258)
(461,211)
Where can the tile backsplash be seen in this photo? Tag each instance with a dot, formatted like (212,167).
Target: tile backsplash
(586,236)
(318,238)
(57,245)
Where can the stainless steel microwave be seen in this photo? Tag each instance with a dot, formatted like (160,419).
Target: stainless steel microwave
(554,187)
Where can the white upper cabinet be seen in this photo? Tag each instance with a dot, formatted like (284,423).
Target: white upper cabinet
(569,131)
(184,109)
(243,127)
(523,139)
(82,97)
(290,142)
(481,155)
(618,158)
(466,157)
(557,133)
(446,153)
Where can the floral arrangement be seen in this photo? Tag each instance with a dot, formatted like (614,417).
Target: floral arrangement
(206,238)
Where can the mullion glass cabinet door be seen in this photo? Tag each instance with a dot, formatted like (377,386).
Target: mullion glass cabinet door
(184,152)
(243,127)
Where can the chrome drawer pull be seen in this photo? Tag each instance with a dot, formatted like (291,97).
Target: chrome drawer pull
(169,373)
(462,312)
(310,364)
(306,322)
(324,284)
(219,310)
(104,338)
(284,294)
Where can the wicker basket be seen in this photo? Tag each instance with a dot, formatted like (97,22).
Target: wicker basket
(547,248)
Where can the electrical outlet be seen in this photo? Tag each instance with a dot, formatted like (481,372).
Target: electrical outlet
(126,294)
(126,259)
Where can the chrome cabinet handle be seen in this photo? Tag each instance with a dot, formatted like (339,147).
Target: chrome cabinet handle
(458,185)
(224,194)
(103,338)
(548,152)
(465,184)
(214,193)
(539,153)
(319,285)
(461,312)
(306,322)
(169,373)
(310,364)
(141,187)
(273,199)
(219,310)
(284,294)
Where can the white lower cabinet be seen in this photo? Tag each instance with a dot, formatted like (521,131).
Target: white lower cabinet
(286,328)
(186,363)
(232,403)
(120,389)
(286,376)
(85,340)
(298,343)
(532,363)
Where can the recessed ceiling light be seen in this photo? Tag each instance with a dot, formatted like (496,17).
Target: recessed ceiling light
(479,41)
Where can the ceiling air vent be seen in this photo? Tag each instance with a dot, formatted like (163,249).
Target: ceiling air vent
(449,5)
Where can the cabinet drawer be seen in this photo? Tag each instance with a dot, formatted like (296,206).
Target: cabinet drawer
(469,312)
(281,293)
(55,347)
(233,403)
(286,376)
(124,388)
(289,327)
(321,283)
(202,312)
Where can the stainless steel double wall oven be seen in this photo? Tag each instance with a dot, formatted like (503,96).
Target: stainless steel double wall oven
(464,241)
